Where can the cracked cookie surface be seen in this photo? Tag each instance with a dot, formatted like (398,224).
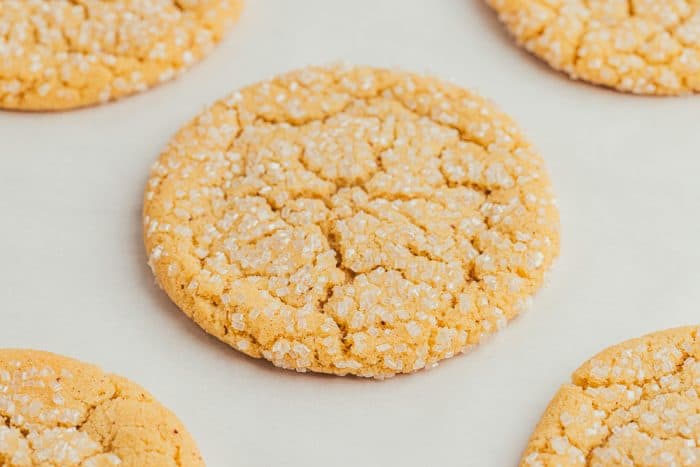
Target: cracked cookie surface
(61,54)
(60,412)
(638,46)
(350,220)
(635,403)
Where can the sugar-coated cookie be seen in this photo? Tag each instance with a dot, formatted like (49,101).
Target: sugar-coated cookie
(635,403)
(61,412)
(350,220)
(61,54)
(639,46)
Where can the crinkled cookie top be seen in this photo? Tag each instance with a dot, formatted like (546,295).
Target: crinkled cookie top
(60,54)
(350,220)
(633,404)
(60,412)
(639,46)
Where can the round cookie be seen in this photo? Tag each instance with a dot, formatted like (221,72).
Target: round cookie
(61,412)
(639,46)
(635,403)
(350,220)
(61,54)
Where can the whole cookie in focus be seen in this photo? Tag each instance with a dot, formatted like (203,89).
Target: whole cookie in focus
(639,46)
(635,403)
(61,412)
(61,54)
(350,220)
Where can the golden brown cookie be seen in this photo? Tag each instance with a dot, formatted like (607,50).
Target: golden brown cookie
(639,46)
(635,403)
(61,412)
(350,220)
(61,54)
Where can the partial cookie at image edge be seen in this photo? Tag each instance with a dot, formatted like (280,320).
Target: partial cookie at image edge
(60,411)
(654,49)
(59,55)
(634,403)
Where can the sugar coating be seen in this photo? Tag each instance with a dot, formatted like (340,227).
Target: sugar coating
(57,411)
(638,46)
(60,54)
(350,220)
(633,404)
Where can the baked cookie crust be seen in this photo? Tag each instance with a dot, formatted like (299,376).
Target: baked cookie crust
(638,46)
(57,411)
(63,54)
(350,220)
(635,403)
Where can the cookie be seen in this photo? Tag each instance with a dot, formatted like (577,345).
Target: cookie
(62,54)
(638,46)
(350,220)
(61,412)
(635,403)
